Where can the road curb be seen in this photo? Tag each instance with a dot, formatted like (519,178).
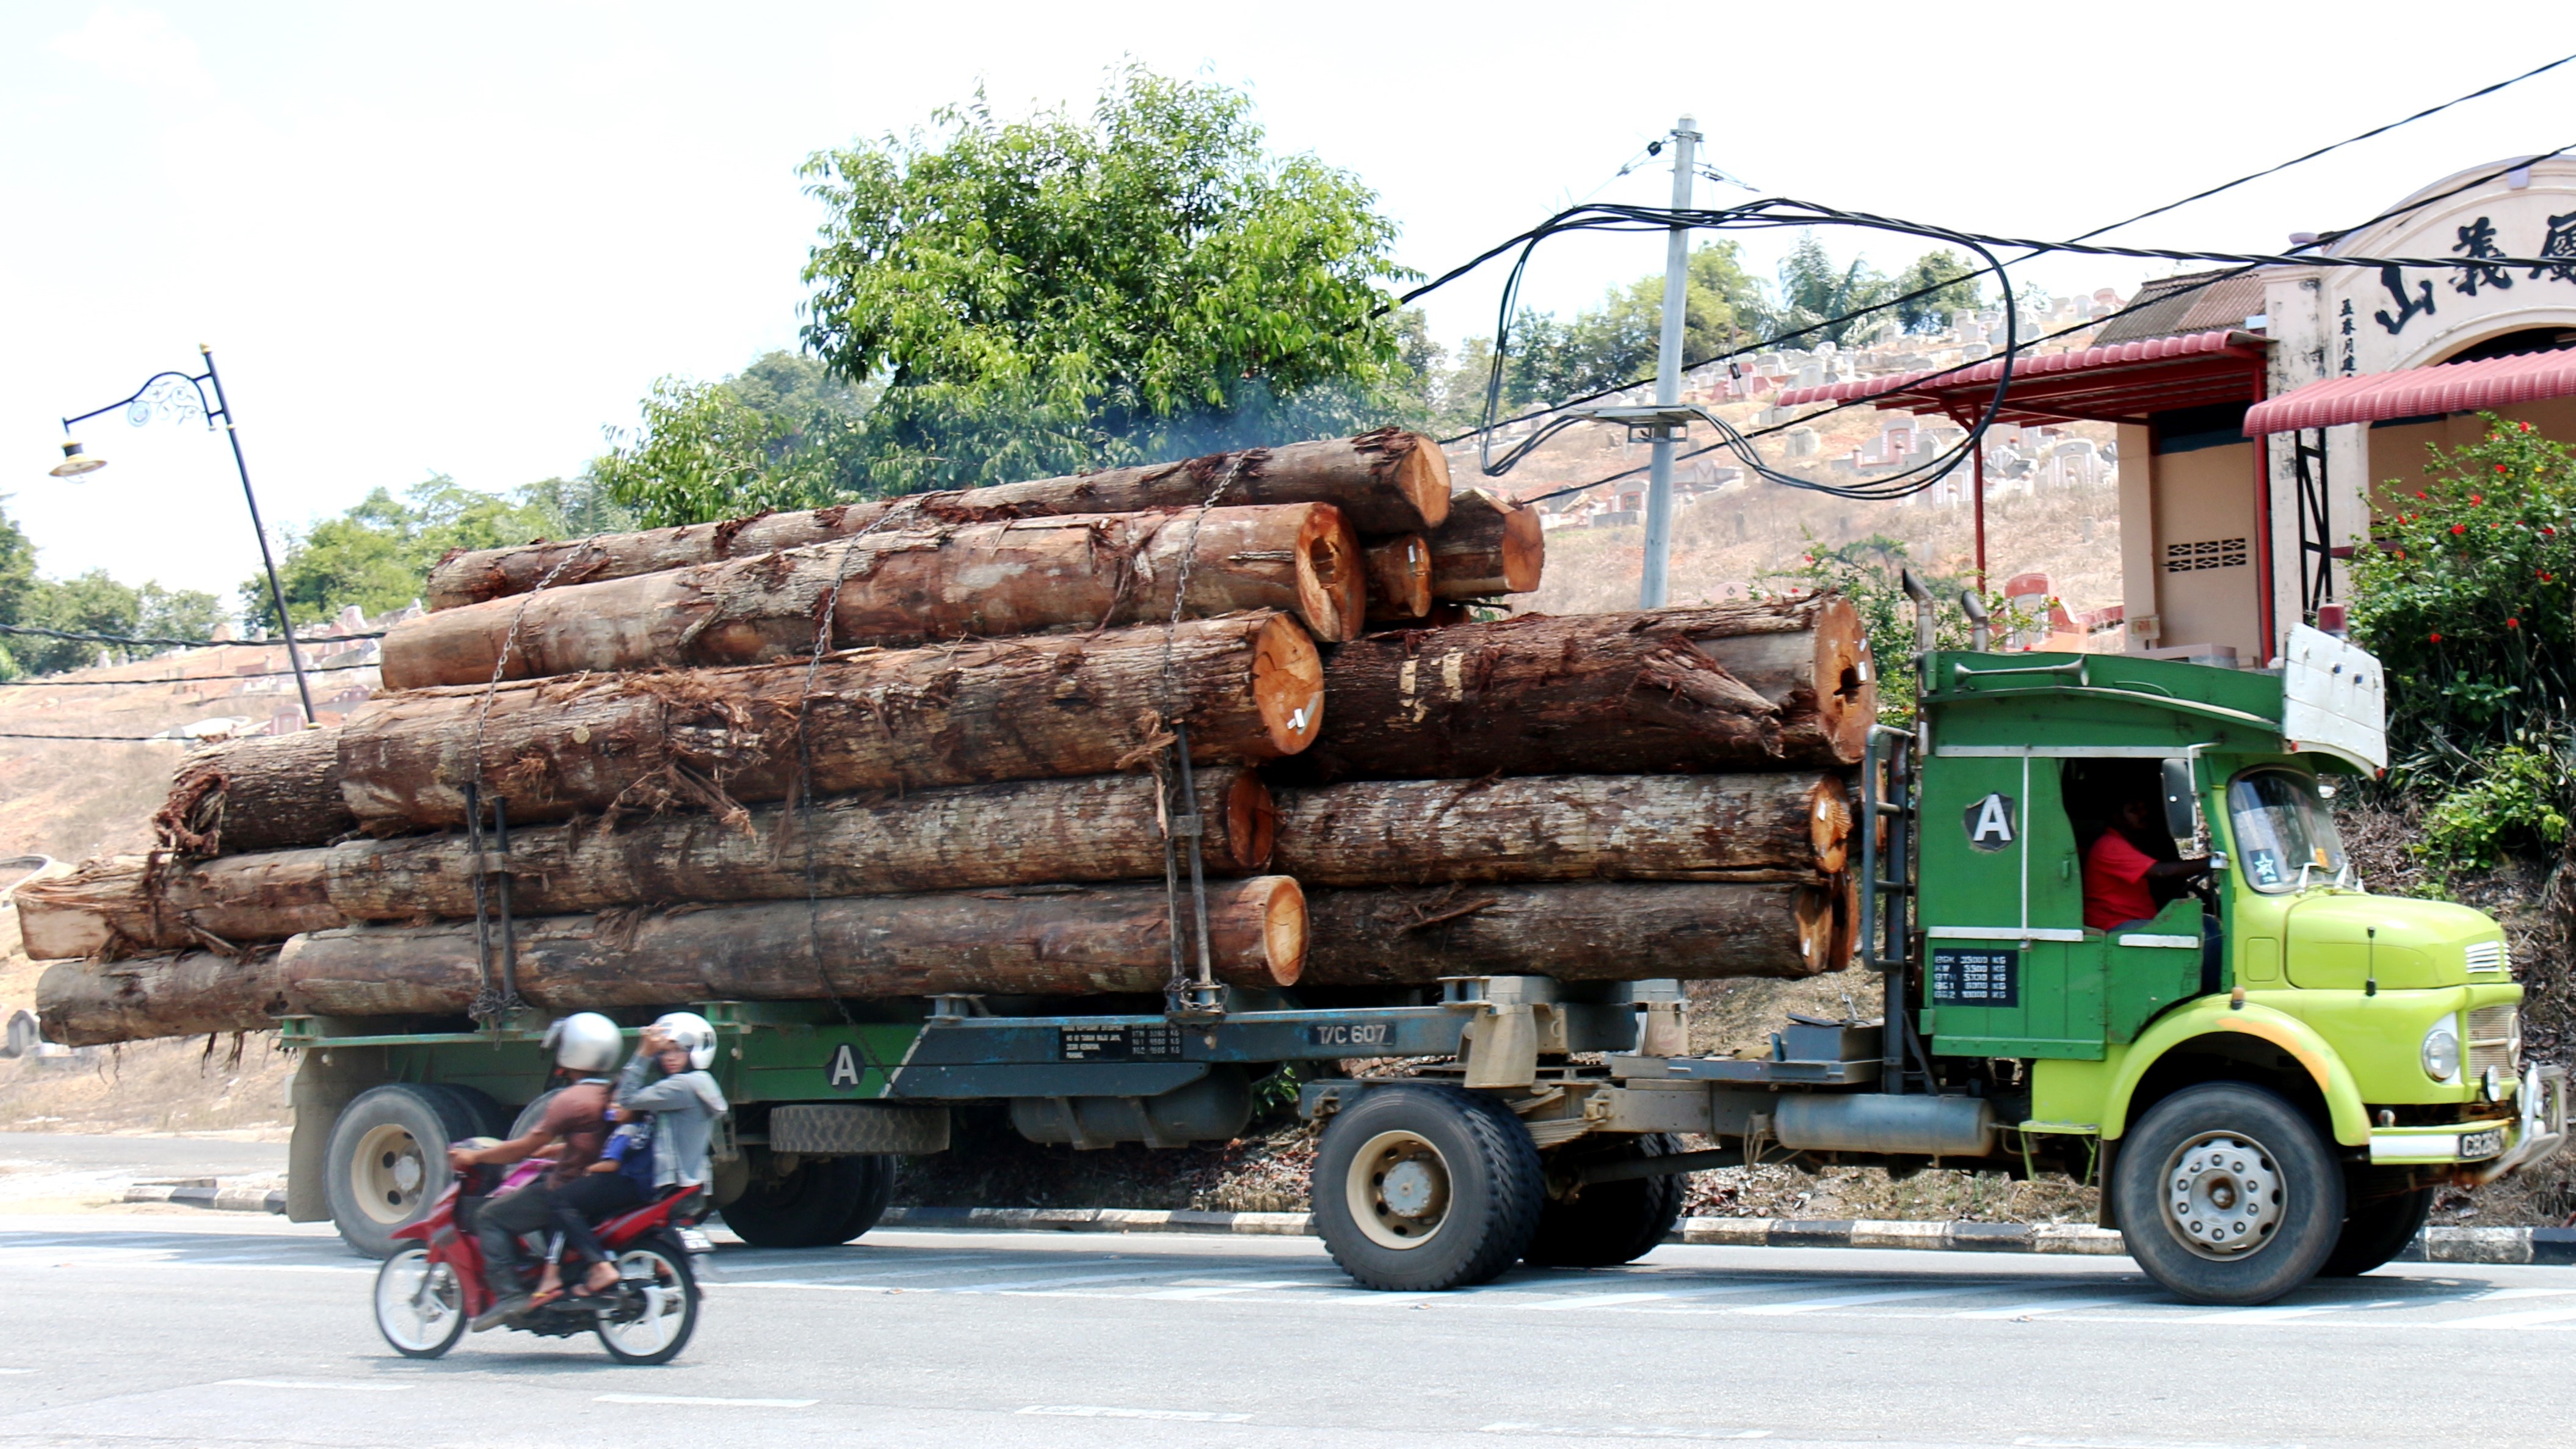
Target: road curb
(2434,1245)
(206,1193)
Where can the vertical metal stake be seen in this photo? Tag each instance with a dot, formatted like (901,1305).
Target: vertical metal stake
(501,885)
(1668,374)
(1206,984)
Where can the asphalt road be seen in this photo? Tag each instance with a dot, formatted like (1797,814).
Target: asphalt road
(217,1331)
(139,1156)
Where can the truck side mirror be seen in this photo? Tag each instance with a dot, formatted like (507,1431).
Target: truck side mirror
(2181,820)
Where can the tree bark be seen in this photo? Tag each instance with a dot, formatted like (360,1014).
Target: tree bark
(92,1003)
(1490,545)
(1060,941)
(1778,827)
(1399,579)
(907,587)
(1099,828)
(127,905)
(262,793)
(1388,481)
(1578,931)
(1756,685)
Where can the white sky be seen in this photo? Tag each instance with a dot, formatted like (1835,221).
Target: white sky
(464,238)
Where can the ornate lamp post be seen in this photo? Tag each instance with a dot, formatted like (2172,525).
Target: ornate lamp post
(183,395)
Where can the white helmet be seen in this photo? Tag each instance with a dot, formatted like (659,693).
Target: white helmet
(584,1042)
(692,1033)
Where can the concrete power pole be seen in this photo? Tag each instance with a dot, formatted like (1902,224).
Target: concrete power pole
(1668,374)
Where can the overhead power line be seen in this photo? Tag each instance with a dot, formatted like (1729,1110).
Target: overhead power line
(77,637)
(177,678)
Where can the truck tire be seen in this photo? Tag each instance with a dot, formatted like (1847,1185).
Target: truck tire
(387,1159)
(2377,1230)
(2227,1195)
(1425,1188)
(1607,1223)
(823,1202)
(529,1116)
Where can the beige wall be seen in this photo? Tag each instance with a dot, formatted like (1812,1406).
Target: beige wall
(2206,496)
(2138,537)
(2398,460)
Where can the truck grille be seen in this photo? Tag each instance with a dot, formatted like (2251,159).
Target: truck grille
(2489,956)
(2495,1040)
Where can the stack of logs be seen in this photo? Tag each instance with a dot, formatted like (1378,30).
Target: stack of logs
(961,786)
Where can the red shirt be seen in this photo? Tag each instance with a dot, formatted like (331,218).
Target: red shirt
(2115,883)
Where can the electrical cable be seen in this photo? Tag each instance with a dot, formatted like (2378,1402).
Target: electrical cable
(77,637)
(176,678)
(116,739)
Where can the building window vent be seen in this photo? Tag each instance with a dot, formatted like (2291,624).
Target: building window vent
(2216,553)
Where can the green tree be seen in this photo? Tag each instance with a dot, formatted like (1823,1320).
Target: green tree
(89,603)
(1051,294)
(378,553)
(1955,289)
(17,569)
(782,433)
(1814,289)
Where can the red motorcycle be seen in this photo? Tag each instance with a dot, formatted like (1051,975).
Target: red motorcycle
(427,1293)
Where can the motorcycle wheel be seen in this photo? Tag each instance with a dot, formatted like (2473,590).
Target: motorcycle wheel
(659,1272)
(420,1305)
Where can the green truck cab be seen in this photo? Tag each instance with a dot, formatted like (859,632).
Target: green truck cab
(2280,1098)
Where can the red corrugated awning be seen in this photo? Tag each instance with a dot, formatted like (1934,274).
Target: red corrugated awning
(2121,383)
(2417,392)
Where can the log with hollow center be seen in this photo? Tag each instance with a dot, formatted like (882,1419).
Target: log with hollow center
(1099,828)
(1250,687)
(1062,941)
(1757,685)
(190,993)
(1768,826)
(130,903)
(905,587)
(1573,931)
(1388,481)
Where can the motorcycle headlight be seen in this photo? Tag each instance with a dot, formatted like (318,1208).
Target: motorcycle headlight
(2442,1050)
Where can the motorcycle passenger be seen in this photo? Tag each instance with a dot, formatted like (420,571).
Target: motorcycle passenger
(682,1108)
(576,1124)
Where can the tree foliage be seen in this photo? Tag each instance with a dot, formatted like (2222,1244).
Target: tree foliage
(782,433)
(1050,294)
(91,603)
(1952,287)
(378,554)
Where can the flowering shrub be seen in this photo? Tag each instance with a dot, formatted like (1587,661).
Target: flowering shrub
(2465,599)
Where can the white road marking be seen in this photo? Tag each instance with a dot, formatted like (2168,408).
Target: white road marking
(1844,1300)
(1182,1416)
(2062,1305)
(1621,1431)
(1027,1284)
(704,1403)
(351,1385)
(1219,1291)
(847,1263)
(2511,1320)
(1615,1300)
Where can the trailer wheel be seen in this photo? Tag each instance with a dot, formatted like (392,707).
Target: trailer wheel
(2227,1195)
(387,1159)
(2376,1231)
(1603,1224)
(1425,1188)
(821,1202)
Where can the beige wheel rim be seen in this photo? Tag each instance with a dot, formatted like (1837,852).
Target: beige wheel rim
(388,1173)
(1398,1189)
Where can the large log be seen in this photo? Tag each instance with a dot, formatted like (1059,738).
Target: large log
(1388,481)
(131,904)
(93,1003)
(1754,685)
(907,587)
(261,793)
(1099,828)
(1048,942)
(1399,579)
(1574,931)
(1489,545)
(1791,827)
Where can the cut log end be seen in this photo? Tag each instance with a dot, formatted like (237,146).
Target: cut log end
(1288,684)
(1422,475)
(1251,824)
(1826,926)
(1283,927)
(1332,575)
(1846,678)
(1399,579)
(1524,549)
(1829,824)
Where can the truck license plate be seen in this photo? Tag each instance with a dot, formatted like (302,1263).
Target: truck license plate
(1347,1034)
(2474,1145)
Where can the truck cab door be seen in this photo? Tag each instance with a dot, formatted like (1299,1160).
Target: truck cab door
(2009,970)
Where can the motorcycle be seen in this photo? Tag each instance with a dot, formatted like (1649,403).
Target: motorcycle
(428,1292)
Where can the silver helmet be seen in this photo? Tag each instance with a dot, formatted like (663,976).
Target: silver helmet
(692,1033)
(584,1042)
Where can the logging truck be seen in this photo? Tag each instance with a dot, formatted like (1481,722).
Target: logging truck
(2268,1079)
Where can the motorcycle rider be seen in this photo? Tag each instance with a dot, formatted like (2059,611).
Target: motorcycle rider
(683,1106)
(585,1045)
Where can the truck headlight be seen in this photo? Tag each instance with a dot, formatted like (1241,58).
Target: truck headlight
(2442,1050)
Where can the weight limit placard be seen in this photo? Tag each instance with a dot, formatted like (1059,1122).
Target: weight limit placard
(1975,976)
(1128,1043)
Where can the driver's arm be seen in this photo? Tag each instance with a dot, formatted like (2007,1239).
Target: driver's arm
(501,1153)
(2178,869)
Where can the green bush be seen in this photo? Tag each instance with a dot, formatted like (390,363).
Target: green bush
(2514,804)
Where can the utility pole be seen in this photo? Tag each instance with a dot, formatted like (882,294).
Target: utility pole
(1668,374)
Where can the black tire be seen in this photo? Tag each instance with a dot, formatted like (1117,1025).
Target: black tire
(2227,1195)
(1467,1182)
(402,1132)
(1607,1223)
(529,1116)
(494,1119)
(659,1338)
(2377,1230)
(823,1202)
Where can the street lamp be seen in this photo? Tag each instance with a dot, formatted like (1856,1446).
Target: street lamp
(183,395)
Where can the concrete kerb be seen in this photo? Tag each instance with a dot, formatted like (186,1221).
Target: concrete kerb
(2434,1245)
(207,1192)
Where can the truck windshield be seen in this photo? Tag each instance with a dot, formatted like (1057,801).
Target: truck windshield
(2283,831)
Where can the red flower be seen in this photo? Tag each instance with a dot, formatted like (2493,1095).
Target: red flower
(2526,427)
(2459,528)
(2513,623)
(2548,579)
(2545,528)
(2476,499)
(2437,636)
(2419,492)
(2499,467)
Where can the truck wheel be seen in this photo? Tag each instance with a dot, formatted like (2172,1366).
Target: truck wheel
(387,1159)
(1607,1223)
(824,1201)
(2227,1195)
(2377,1231)
(1425,1188)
